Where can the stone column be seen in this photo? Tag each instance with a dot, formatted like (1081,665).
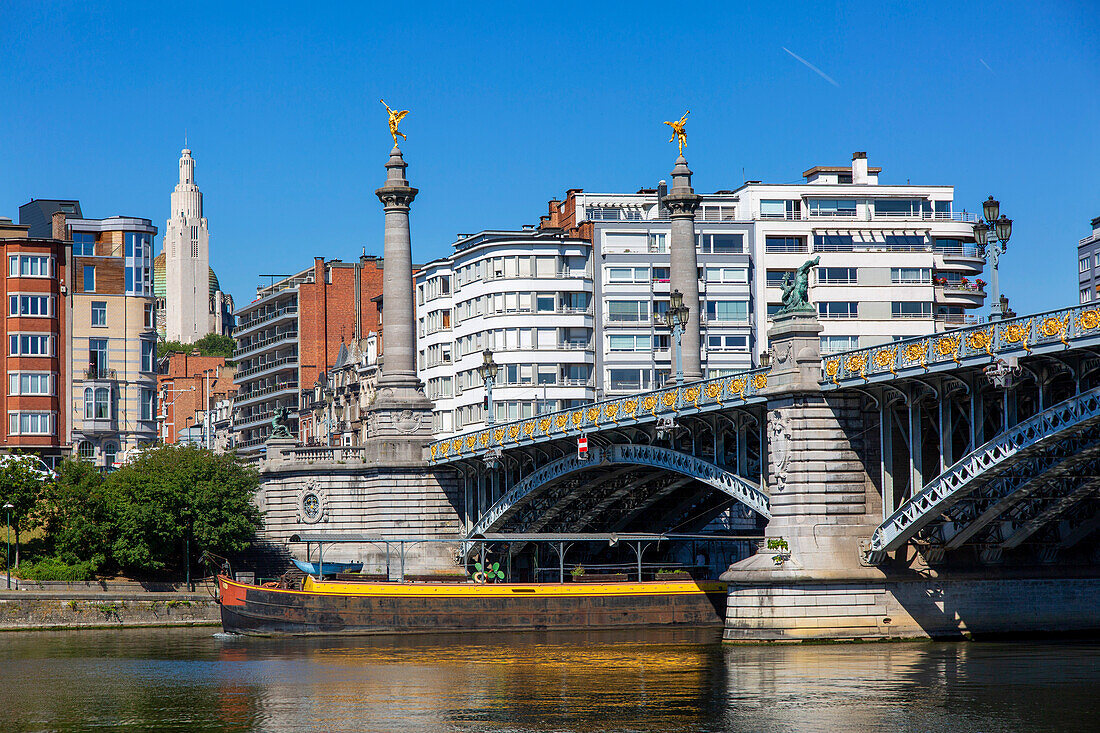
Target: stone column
(682,202)
(399,421)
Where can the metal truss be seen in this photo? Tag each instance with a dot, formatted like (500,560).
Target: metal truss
(638,455)
(1050,432)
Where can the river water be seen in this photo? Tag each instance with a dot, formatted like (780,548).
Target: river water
(194,680)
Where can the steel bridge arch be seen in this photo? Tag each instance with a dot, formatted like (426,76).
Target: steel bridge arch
(706,472)
(1004,450)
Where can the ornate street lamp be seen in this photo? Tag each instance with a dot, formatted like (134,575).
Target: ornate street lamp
(488,372)
(991,237)
(676,318)
(7,558)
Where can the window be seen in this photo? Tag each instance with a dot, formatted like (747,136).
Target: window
(149,316)
(148,356)
(86,450)
(910,275)
(29,305)
(836,276)
(29,266)
(627,311)
(26,383)
(84,244)
(89,404)
(832,207)
(727,275)
(1086,295)
(661,274)
(110,450)
(26,344)
(545,303)
(1097,261)
(774,308)
(102,403)
(29,423)
(89,278)
(630,343)
(837,310)
(727,343)
(722,243)
(911,309)
(628,274)
(904,242)
(784,244)
(774,278)
(97,358)
(148,404)
(658,243)
(547,374)
(781,209)
(1084,264)
(629,380)
(833,243)
(904,208)
(99,312)
(833,344)
(727,310)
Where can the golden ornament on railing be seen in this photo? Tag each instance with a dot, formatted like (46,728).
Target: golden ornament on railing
(886,358)
(669,399)
(856,363)
(1089,320)
(1056,327)
(457,445)
(649,403)
(832,369)
(529,428)
(979,340)
(759,381)
(737,387)
(513,432)
(498,435)
(629,407)
(1016,333)
(713,391)
(576,417)
(435,448)
(592,414)
(916,352)
(947,345)
(471,441)
(544,424)
(691,394)
(483,439)
(561,421)
(611,410)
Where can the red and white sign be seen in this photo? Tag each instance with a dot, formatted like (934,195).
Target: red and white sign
(582,447)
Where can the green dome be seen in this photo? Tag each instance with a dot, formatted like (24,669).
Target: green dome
(159,288)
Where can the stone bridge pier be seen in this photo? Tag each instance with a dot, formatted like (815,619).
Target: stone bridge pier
(813,577)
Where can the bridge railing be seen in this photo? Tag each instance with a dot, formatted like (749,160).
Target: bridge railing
(991,339)
(736,388)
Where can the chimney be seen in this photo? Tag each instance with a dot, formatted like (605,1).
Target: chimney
(662,191)
(60,228)
(859,168)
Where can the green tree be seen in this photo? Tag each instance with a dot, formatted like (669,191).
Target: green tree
(75,515)
(21,486)
(176,496)
(214,344)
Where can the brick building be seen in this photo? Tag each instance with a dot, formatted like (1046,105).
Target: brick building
(291,334)
(190,386)
(36,356)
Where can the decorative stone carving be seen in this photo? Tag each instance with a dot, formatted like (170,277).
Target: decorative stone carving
(407,422)
(779,443)
(312,504)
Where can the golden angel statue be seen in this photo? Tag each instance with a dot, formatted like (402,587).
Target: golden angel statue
(395,120)
(678,132)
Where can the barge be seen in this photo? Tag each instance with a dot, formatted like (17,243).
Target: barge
(358,607)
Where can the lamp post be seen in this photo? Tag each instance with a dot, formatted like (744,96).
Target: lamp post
(488,372)
(676,317)
(7,558)
(991,236)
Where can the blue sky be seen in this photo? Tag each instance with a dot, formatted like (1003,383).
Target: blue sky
(514,103)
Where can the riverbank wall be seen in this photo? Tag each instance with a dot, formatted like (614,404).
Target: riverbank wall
(25,610)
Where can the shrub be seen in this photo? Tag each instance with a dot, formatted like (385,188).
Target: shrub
(52,568)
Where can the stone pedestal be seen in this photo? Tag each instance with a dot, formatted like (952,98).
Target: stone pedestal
(682,201)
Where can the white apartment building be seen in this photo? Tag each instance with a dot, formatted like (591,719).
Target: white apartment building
(895,261)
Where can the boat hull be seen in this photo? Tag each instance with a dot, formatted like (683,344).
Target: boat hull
(362,608)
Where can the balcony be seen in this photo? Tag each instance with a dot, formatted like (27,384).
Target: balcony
(244,398)
(100,374)
(262,344)
(290,311)
(99,425)
(284,363)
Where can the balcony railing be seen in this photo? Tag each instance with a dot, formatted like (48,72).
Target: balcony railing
(101,373)
(254,393)
(287,360)
(270,316)
(786,247)
(241,351)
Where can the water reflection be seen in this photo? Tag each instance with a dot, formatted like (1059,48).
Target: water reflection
(607,681)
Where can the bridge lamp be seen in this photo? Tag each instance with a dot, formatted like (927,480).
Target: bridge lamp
(676,318)
(488,372)
(991,238)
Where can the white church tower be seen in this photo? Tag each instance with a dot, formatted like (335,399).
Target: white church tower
(187,261)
